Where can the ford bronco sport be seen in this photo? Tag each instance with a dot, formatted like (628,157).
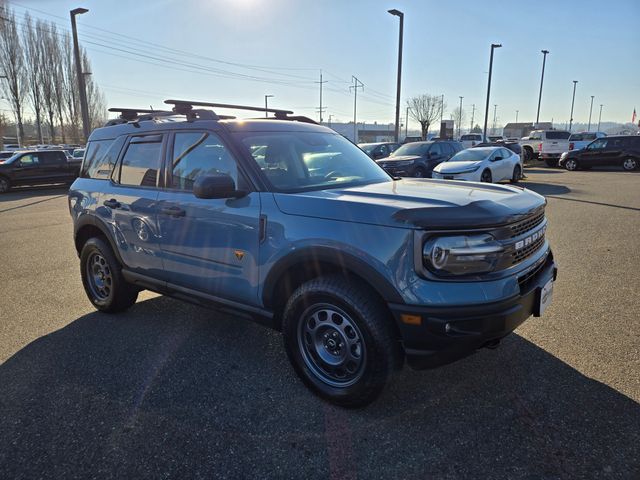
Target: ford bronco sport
(285,222)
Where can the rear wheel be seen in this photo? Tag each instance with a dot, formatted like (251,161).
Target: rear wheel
(5,185)
(570,164)
(527,153)
(629,164)
(102,278)
(486,176)
(340,340)
(517,174)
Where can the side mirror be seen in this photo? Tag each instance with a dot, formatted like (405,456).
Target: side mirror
(219,185)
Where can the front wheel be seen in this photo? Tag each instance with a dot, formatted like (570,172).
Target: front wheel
(570,164)
(420,173)
(102,278)
(486,176)
(629,164)
(517,174)
(340,340)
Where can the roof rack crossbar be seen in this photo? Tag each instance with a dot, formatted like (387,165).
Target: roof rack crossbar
(181,104)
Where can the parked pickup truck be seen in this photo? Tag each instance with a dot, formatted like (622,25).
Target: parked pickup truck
(37,167)
(577,141)
(545,145)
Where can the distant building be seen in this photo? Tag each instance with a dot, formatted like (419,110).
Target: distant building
(519,130)
(370,132)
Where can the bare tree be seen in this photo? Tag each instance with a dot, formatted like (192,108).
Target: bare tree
(13,66)
(95,99)
(70,88)
(425,109)
(47,77)
(33,69)
(458,117)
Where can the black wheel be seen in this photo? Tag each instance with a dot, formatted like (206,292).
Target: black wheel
(102,278)
(5,184)
(551,162)
(517,174)
(340,340)
(528,154)
(420,173)
(486,176)
(571,164)
(629,164)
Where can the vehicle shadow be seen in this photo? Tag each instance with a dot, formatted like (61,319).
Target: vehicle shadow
(545,188)
(172,390)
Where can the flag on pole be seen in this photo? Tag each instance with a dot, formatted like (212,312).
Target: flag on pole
(633,117)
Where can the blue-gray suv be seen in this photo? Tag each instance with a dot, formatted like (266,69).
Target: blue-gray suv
(285,222)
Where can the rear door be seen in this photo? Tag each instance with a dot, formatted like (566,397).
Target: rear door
(54,166)
(130,204)
(208,245)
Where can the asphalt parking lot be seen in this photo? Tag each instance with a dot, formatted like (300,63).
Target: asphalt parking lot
(172,390)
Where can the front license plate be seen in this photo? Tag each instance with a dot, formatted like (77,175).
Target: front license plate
(546,294)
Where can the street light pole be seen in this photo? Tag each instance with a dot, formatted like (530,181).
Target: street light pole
(590,110)
(544,60)
(517,115)
(266,105)
(84,108)
(572,103)
(599,117)
(495,111)
(473,113)
(406,124)
(486,110)
(460,122)
(356,84)
(400,15)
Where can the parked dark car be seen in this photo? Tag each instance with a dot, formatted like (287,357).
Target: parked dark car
(418,159)
(36,167)
(623,151)
(379,150)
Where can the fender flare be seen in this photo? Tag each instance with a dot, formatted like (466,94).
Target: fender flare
(346,262)
(89,220)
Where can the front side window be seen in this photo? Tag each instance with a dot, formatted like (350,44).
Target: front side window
(199,153)
(296,161)
(436,150)
(598,144)
(29,159)
(141,162)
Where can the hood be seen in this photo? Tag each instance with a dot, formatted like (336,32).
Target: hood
(420,203)
(453,167)
(400,158)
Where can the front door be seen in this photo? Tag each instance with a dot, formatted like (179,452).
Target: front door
(28,171)
(208,245)
(596,153)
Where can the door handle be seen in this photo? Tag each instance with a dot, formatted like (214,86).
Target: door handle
(113,203)
(173,211)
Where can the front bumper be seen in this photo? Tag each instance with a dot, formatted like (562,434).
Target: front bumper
(430,343)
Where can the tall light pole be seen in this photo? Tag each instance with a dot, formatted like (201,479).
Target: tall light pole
(572,102)
(473,113)
(517,115)
(486,110)
(495,111)
(599,117)
(321,109)
(590,110)
(356,84)
(460,117)
(544,60)
(406,124)
(84,108)
(266,105)
(400,15)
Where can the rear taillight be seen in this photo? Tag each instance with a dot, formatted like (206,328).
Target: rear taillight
(571,146)
(539,147)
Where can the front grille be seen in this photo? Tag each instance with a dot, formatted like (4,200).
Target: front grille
(526,252)
(524,280)
(524,226)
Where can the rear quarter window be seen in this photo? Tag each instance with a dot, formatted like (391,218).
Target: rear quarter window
(100,158)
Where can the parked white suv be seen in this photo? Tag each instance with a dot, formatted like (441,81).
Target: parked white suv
(545,145)
(472,139)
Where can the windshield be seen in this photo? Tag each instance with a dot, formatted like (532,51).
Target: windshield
(471,155)
(368,148)
(294,161)
(418,148)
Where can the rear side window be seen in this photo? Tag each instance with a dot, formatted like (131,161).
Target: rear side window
(52,158)
(141,162)
(100,158)
(553,135)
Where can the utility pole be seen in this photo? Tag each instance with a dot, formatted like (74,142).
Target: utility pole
(473,113)
(572,102)
(330,115)
(486,110)
(495,110)
(321,110)
(400,15)
(406,124)
(266,105)
(460,122)
(517,115)
(599,117)
(84,108)
(544,59)
(590,110)
(441,109)
(356,84)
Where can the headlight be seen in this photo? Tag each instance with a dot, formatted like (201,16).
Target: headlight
(469,170)
(461,254)
(402,163)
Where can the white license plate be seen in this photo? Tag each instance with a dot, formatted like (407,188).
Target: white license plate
(546,294)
